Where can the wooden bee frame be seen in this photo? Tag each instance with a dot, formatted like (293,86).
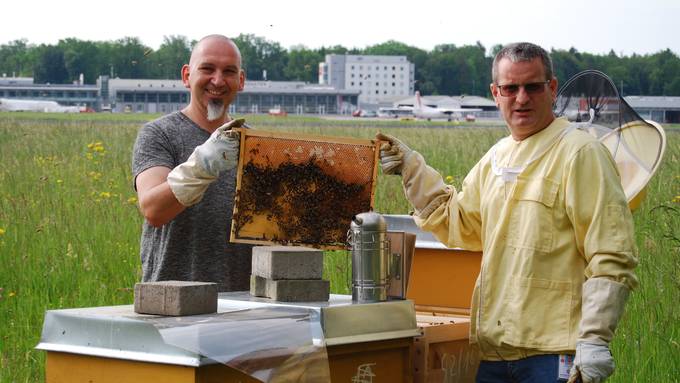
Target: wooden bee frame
(301,189)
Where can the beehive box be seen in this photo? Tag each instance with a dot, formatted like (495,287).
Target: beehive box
(301,189)
(441,286)
(440,283)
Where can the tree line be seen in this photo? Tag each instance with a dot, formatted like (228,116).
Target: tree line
(447,69)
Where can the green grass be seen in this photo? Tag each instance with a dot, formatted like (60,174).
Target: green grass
(69,227)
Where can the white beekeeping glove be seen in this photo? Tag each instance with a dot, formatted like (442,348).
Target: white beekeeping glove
(602,307)
(424,187)
(393,153)
(190,179)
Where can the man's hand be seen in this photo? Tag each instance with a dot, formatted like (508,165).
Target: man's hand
(220,151)
(392,154)
(593,363)
(189,180)
(601,308)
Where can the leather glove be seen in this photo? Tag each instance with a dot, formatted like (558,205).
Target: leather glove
(189,180)
(602,306)
(424,187)
(593,363)
(393,153)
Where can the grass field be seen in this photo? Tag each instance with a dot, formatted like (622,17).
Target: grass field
(69,228)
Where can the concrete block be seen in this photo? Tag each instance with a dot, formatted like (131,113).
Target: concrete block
(175,298)
(258,286)
(290,290)
(287,262)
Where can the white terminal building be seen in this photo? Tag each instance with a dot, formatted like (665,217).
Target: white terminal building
(379,79)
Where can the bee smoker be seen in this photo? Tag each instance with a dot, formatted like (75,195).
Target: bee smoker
(371,258)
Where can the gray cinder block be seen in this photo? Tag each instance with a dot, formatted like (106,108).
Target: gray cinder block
(287,262)
(290,290)
(258,286)
(175,298)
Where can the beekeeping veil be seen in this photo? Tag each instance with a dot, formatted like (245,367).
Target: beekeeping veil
(590,100)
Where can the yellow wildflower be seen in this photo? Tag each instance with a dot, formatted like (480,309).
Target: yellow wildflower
(676,199)
(2,231)
(11,294)
(60,181)
(105,195)
(449,179)
(132,200)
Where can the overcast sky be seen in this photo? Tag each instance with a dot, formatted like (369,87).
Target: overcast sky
(594,26)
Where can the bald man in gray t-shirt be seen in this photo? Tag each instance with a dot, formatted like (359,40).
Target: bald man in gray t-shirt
(184,167)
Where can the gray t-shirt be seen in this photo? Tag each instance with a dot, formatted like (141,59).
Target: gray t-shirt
(195,245)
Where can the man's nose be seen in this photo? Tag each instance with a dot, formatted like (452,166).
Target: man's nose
(217,78)
(522,95)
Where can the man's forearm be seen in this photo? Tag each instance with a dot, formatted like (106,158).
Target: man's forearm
(159,205)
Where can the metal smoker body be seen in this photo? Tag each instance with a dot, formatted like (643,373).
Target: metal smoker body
(370,257)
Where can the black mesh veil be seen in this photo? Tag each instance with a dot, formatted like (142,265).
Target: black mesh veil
(591,100)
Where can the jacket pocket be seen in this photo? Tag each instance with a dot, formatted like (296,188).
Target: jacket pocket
(531,219)
(539,313)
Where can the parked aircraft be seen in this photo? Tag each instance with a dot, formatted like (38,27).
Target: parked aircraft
(12,105)
(429,113)
(399,112)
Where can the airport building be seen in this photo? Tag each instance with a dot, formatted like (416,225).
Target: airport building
(379,79)
(663,109)
(164,96)
(65,94)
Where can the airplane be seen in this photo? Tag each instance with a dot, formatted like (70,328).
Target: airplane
(11,105)
(429,113)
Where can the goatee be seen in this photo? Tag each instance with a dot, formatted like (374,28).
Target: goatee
(216,109)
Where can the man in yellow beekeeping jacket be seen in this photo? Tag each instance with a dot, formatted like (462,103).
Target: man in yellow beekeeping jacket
(546,207)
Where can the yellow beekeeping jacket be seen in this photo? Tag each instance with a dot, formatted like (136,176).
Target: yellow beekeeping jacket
(564,219)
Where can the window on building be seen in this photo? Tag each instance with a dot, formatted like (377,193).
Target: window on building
(377,84)
(377,92)
(393,68)
(361,83)
(352,83)
(394,76)
(393,84)
(385,92)
(352,75)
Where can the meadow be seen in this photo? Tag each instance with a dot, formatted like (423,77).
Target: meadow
(69,227)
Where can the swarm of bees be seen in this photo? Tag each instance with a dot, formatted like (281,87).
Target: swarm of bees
(309,205)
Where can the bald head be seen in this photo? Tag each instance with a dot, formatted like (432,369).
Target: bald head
(212,41)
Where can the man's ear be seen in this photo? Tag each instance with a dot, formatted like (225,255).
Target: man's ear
(553,88)
(241,80)
(185,75)
(494,92)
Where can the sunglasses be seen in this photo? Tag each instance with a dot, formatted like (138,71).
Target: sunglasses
(511,90)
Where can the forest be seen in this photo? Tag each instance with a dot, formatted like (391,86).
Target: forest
(447,69)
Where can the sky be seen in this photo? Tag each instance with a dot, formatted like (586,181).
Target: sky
(593,26)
